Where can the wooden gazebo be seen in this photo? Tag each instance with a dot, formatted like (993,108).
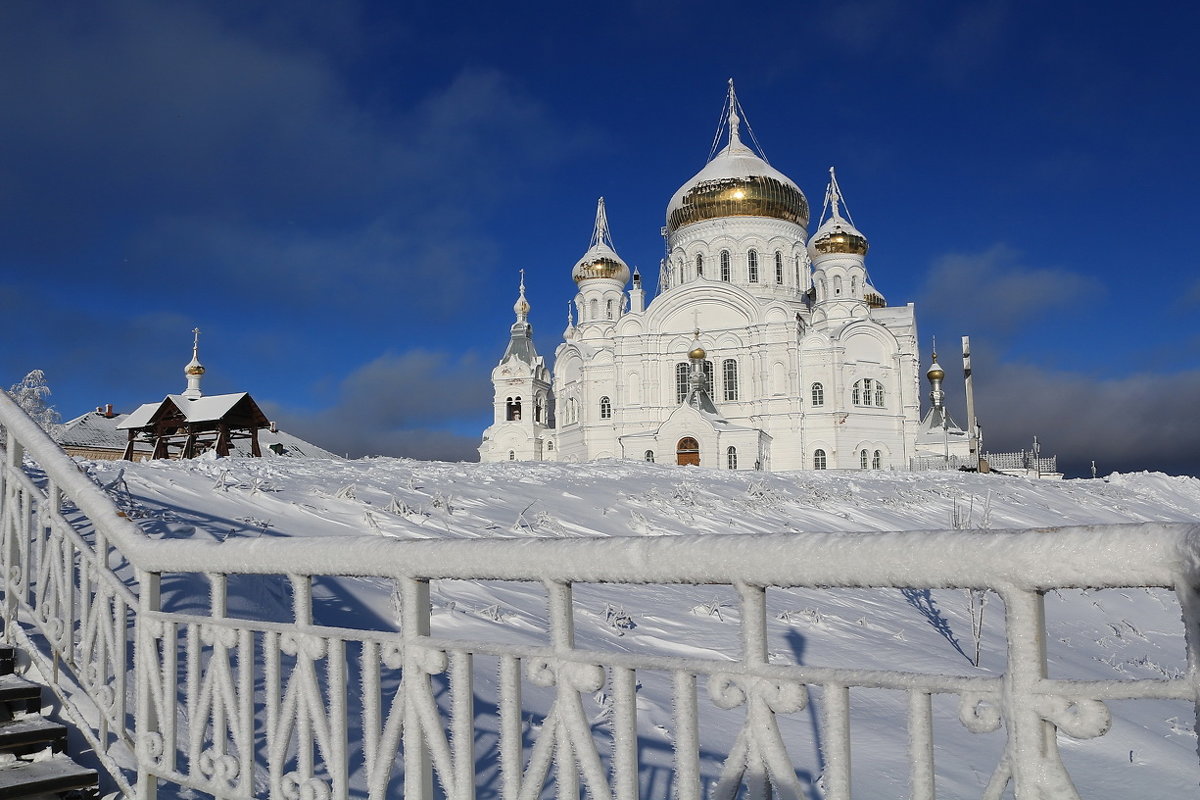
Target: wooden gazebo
(185,427)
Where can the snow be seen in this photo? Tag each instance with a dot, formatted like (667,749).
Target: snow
(503,520)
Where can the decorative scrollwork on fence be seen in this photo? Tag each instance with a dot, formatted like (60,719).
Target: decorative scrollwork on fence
(979,713)
(1079,719)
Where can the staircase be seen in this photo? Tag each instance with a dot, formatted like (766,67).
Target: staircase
(33,759)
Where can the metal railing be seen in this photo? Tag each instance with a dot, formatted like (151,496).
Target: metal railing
(239,708)
(1022,460)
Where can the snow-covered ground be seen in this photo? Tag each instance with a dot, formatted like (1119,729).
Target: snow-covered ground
(1151,750)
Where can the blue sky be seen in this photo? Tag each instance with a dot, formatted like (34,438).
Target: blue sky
(340,195)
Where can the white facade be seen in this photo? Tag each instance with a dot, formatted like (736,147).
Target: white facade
(801,363)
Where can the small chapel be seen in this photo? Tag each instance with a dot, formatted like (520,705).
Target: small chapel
(764,347)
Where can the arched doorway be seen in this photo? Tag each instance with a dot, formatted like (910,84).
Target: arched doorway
(687,452)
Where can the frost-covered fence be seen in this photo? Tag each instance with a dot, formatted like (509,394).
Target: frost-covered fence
(1022,460)
(203,694)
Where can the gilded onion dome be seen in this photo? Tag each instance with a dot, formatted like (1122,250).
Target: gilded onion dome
(836,234)
(936,373)
(736,182)
(194,367)
(601,260)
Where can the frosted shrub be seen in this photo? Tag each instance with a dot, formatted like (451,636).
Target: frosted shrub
(618,619)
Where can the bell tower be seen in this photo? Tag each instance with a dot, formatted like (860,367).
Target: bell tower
(523,400)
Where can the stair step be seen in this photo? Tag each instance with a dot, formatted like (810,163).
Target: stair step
(8,658)
(30,778)
(31,734)
(26,695)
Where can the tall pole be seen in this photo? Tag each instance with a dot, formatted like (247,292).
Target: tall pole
(972,433)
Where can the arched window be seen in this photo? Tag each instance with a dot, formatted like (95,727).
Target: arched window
(725,265)
(837,285)
(594,309)
(798,284)
(679,269)
(539,403)
(819,459)
(818,394)
(699,265)
(512,456)
(513,408)
(550,446)
(856,393)
(681,382)
(650,456)
(605,408)
(778,267)
(854,286)
(752,265)
(879,394)
(877,460)
(730,378)
(863,458)
(731,457)
(608,309)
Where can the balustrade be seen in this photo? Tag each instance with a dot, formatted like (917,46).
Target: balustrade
(243,708)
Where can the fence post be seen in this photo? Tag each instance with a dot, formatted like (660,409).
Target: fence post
(1037,769)
(9,530)
(1188,592)
(414,626)
(145,656)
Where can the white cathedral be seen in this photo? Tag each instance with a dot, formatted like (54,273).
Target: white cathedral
(763,349)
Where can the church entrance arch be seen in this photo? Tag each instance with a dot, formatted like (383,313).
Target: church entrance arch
(687,452)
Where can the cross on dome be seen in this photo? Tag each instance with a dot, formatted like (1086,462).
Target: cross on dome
(194,369)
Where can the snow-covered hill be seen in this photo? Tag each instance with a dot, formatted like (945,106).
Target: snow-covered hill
(1094,635)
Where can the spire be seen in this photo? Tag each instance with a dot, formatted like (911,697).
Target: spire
(194,370)
(600,234)
(834,200)
(521,307)
(735,122)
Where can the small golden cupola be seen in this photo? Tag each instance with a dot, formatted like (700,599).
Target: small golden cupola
(836,234)
(736,182)
(601,259)
(194,370)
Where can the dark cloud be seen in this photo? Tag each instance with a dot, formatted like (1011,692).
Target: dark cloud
(400,405)
(1125,422)
(994,293)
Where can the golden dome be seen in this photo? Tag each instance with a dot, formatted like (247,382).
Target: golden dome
(600,262)
(838,236)
(193,369)
(737,183)
(935,372)
(698,353)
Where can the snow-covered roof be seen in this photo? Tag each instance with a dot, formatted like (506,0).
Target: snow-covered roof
(96,431)
(140,417)
(198,409)
(520,345)
(206,409)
